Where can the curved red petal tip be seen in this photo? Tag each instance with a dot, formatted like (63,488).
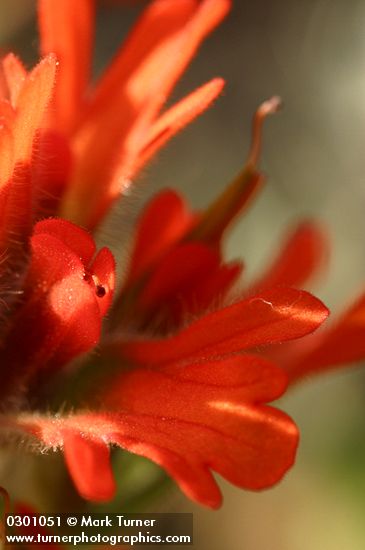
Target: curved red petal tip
(341,345)
(163,221)
(176,118)
(63,300)
(77,239)
(207,416)
(192,421)
(66,28)
(302,255)
(13,75)
(88,462)
(274,316)
(101,272)
(140,79)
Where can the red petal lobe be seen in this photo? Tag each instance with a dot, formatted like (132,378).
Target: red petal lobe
(273,316)
(89,464)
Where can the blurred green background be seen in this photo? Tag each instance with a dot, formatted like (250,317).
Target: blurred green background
(312,54)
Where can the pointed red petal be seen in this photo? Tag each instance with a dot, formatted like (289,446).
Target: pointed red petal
(114,110)
(33,99)
(140,81)
(163,222)
(273,316)
(338,346)
(14,75)
(88,461)
(17,144)
(150,40)
(300,257)
(174,120)
(176,274)
(159,72)
(66,29)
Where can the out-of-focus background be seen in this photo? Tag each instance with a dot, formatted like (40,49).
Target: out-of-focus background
(313,55)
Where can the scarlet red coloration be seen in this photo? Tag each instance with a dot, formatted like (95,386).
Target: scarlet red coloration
(216,420)
(339,345)
(193,397)
(23,103)
(192,405)
(124,105)
(300,258)
(60,313)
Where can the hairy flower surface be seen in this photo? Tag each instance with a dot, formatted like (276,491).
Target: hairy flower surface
(113,128)
(178,375)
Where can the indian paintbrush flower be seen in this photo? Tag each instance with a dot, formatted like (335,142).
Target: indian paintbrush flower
(188,388)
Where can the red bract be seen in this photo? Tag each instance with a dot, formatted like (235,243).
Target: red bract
(174,277)
(23,103)
(340,345)
(124,105)
(225,427)
(190,405)
(188,385)
(177,268)
(65,295)
(300,257)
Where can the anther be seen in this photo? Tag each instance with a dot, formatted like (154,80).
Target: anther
(100,291)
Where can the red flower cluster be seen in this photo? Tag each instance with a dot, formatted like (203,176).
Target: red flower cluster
(192,397)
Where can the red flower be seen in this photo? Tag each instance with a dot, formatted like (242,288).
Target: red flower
(124,105)
(215,421)
(177,269)
(65,294)
(193,398)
